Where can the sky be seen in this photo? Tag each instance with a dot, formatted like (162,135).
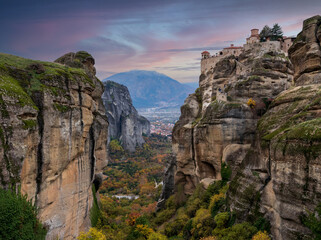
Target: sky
(167,36)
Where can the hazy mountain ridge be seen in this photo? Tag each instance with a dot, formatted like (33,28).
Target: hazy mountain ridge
(152,89)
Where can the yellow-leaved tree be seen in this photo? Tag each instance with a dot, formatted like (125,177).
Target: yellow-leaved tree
(261,236)
(92,234)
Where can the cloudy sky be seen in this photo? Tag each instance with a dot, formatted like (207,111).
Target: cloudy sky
(162,35)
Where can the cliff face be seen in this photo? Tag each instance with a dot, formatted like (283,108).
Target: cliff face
(125,123)
(287,152)
(216,124)
(53,133)
(274,154)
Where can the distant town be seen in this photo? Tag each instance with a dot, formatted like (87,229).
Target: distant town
(161,121)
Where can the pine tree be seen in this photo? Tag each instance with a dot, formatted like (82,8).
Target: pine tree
(265,33)
(276,32)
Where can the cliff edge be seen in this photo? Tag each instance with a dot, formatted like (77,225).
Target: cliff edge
(53,132)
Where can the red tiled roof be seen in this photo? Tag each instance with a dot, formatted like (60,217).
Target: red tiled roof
(205,52)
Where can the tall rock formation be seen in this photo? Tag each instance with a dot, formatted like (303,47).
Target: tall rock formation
(274,147)
(53,131)
(287,151)
(216,124)
(125,123)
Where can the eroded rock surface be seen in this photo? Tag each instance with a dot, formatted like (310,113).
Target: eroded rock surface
(283,164)
(53,133)
(274,148)
(211,130)
(125,124)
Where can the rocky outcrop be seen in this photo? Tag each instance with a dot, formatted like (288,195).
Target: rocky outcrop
(125,123)
(283,164)
(274,147)
(216,124)
(53,132)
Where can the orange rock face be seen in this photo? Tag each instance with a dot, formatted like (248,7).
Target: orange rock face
(56,144)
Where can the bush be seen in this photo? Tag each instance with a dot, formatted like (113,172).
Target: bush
(95,213)
(217,201)
(261,236)
(251,103)
(222,219)
(313,222)
(114,146)
(226,172)
(176,226)
(164,215)
(156,236)
(202,224)
(212,189)
(18,217)
(242,231)
(93,234)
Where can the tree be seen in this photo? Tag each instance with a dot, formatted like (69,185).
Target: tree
(276,32)
(18,217)
(265,33)
(261,236)
(92,234)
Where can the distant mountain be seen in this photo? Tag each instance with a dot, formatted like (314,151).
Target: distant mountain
(193,85)
(152,89)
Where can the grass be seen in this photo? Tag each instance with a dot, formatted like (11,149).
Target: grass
(10,87)
(18,79)
(29,123)
(61,108)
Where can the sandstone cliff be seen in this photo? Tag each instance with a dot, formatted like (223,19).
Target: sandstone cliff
(125,123)
(283,164)
(53,132)
(210,130)
(273,148)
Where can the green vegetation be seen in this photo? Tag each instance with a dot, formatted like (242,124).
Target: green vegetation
(313,222)
(131,174)
(18,218)
(21,77)
(291,129)
(29,123)
(273,33)
(204,214)
(61,108)
(95,213)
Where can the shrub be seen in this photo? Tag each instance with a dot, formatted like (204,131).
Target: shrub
(251,103)
(222,219)
(18,217)
(202,224)
(242,231)
(192,206)
(93,234)
(157,236)
(217,201)
(95,213)
(212,189)
(142,220)
(174,227)
(143,230)
(164,215)
(313,222)
(226,172)
(115,146)
(261,236)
